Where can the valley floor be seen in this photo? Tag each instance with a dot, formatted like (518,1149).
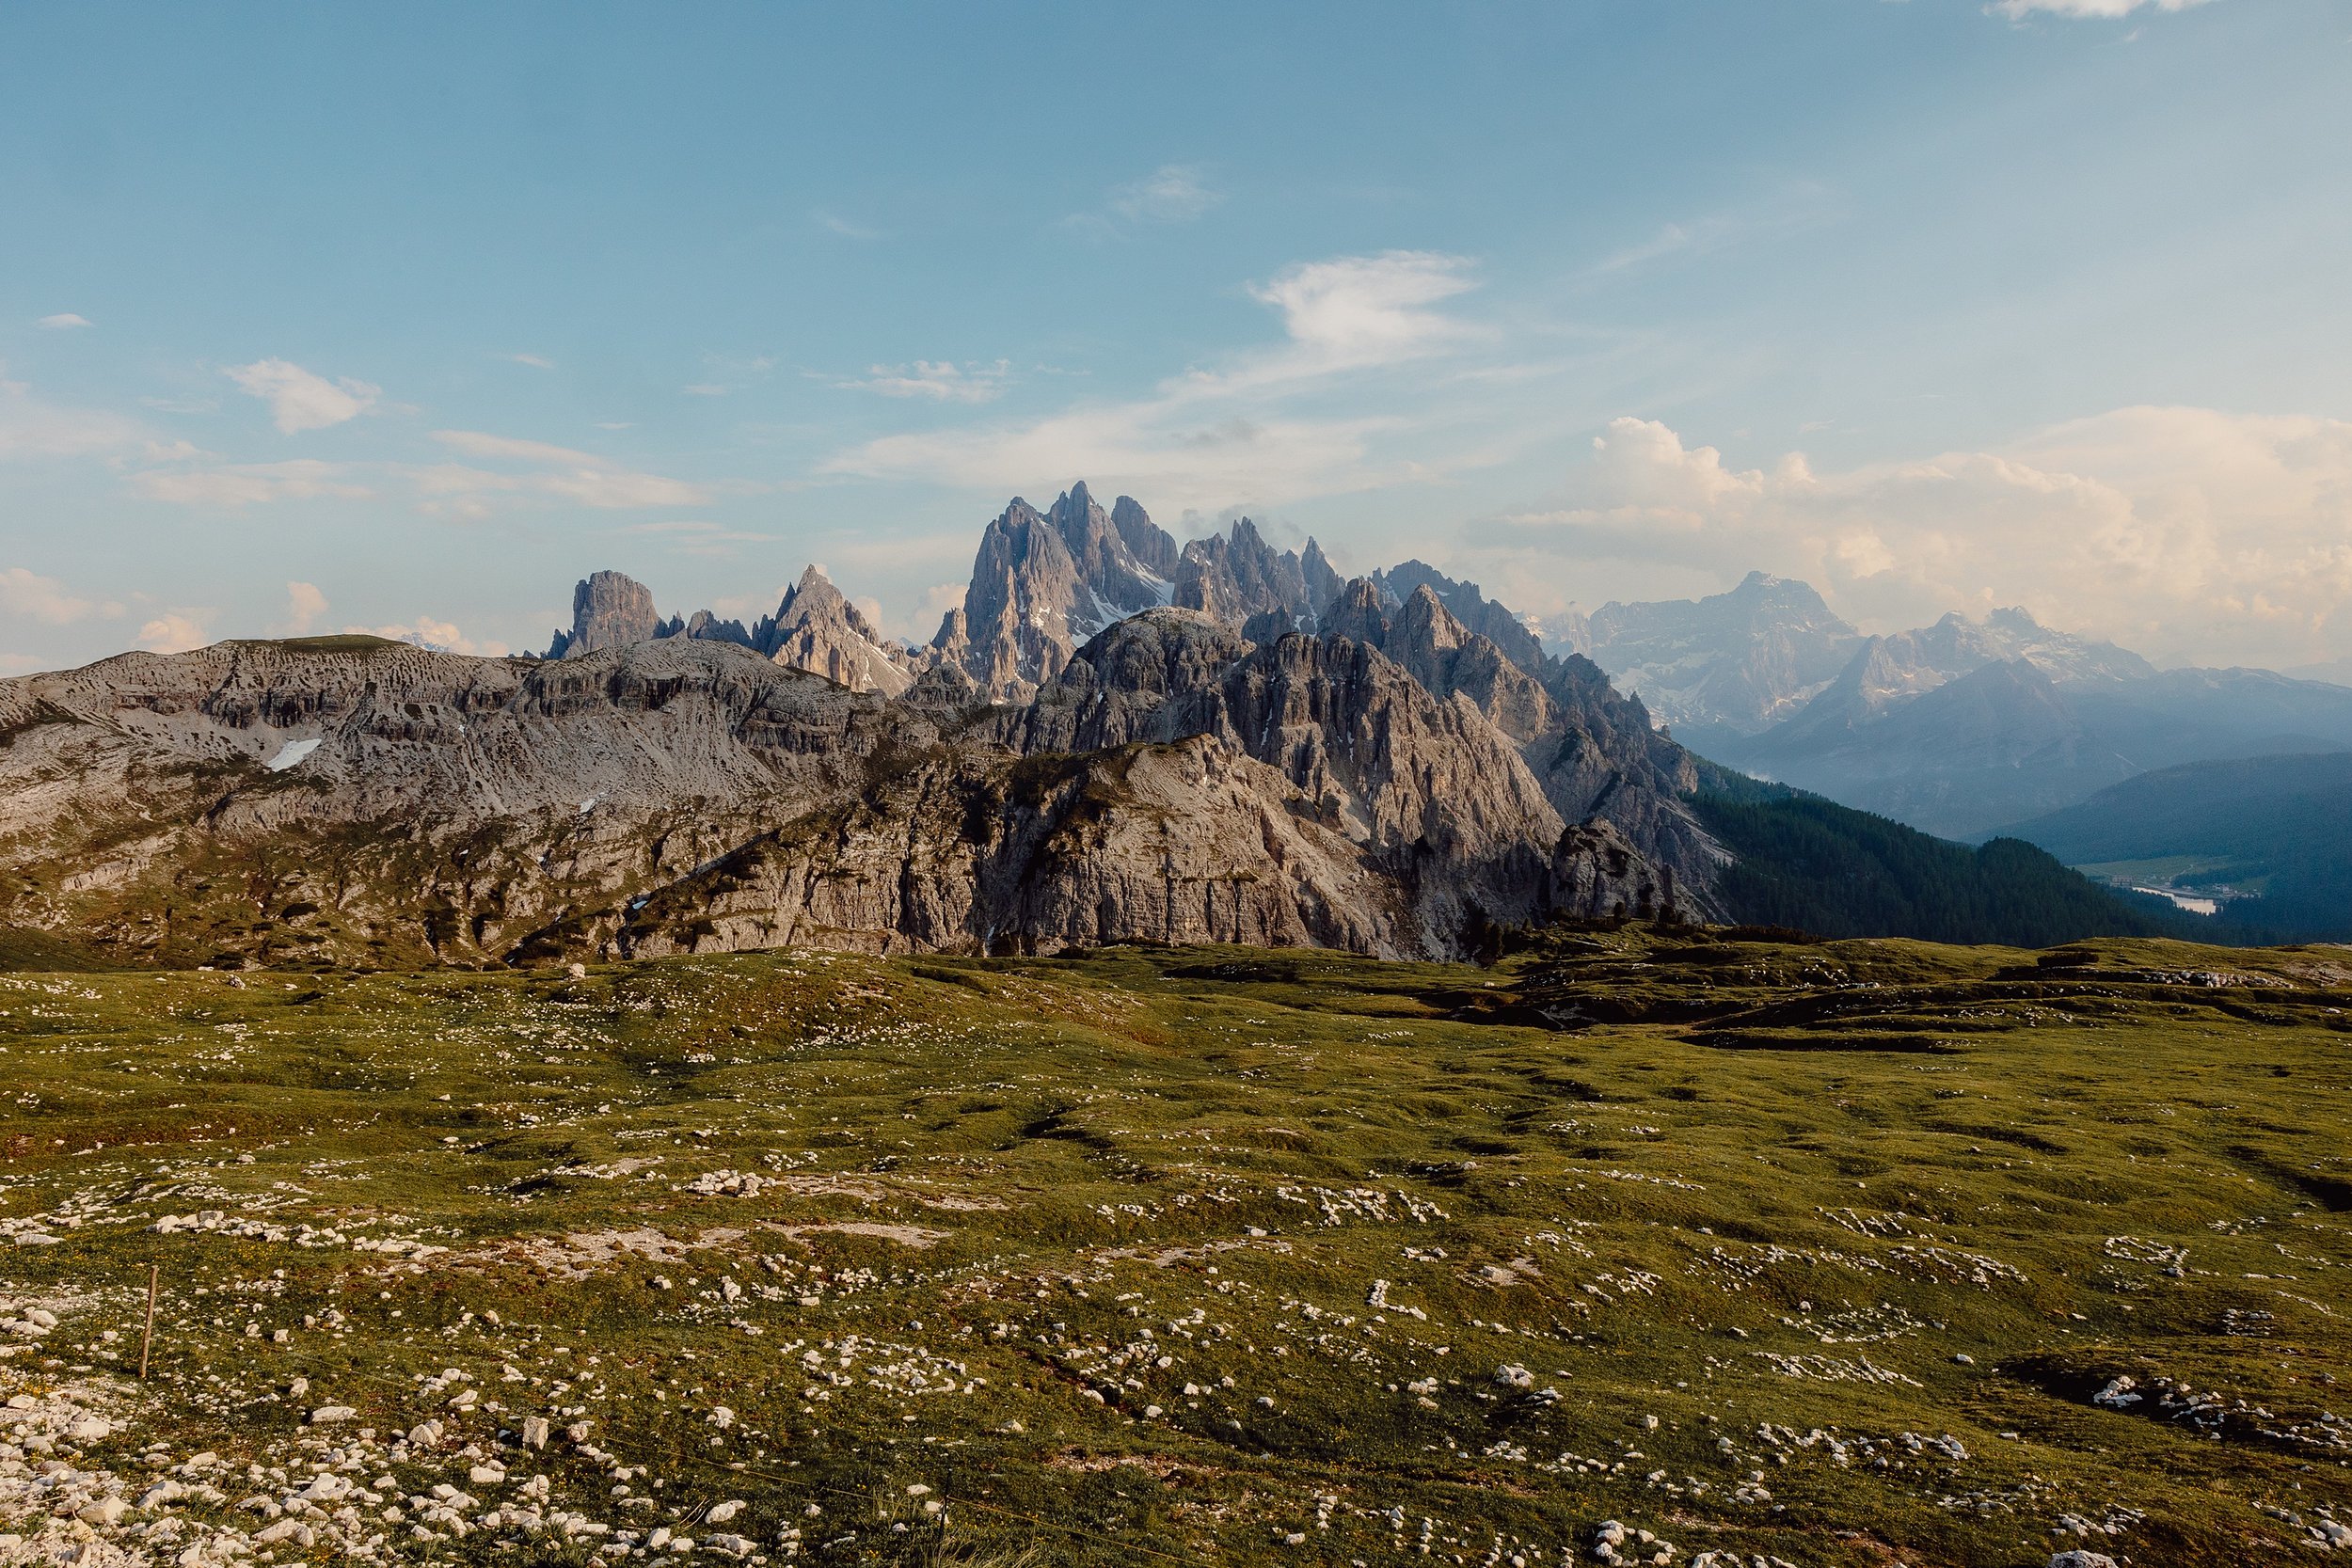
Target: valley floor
(1643,1246)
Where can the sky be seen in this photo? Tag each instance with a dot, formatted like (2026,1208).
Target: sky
(402,319)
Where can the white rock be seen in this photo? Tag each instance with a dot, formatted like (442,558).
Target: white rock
(91,1429)
(535,1432)
(720,1513)
(328,1415)
(105,1511)
(2079,1559)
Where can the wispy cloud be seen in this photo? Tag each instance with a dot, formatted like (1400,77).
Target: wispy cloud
(553,472)
(536,361)
(940,380)
(832,223)
(63,322)
(33,427)
(697,536)
(1222,432)
(299,400)
(1173,193)
(2017,10)
(234,486)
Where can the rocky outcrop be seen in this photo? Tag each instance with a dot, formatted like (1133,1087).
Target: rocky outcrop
(1237,574)
(1472,608)
(609,610)
(817,630)
(1042,583)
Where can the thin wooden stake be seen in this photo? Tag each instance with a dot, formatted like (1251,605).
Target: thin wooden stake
(154,1278)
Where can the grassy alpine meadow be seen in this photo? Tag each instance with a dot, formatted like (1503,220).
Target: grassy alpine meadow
(1645,1245)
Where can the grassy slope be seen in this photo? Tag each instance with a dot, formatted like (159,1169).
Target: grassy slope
(1812,864)
(2283,824)
(1764,1192)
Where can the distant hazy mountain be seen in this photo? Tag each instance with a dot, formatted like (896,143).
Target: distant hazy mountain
(2278,828)
(1996,744)
(1956,727)
(1729,664)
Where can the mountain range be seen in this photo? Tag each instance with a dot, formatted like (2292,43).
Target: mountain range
(1112,739)
(1957,728)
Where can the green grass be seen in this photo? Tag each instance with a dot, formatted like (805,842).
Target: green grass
(1735,1206)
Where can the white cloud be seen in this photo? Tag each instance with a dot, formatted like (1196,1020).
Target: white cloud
(64,322)
(1212,436)
(440,637)
(536,361)
(1368,309)
(30,427)
(1173,193)
(2017,10)
(562,473)
(237,485)
(704,389)
(175,631)
(300,401)
(834,224)
(696,536)
(25,596)
(2188,534)
(304,604)
(940,380)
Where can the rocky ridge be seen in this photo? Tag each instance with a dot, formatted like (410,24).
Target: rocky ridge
(1074,760)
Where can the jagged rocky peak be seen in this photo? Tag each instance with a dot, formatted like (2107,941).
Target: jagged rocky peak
(1356,612)
(1044,582)
(608,610)
(1237,574)
(1121,558)
(1472,608)
(1016,611)
(815,628)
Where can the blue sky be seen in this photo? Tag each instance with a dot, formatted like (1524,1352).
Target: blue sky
(315,318)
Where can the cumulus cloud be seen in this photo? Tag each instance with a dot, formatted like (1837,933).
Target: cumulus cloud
(63,322)
(440,637)
(175,631)
(2017,10)
(938,380)
(2190,533)
(234,486)
(304,604)
(299,400)
(26,595)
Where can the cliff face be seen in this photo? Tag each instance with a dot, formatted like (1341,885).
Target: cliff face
(1045,582)
(609,610)
(817,630)
(1111,738)
(352,800)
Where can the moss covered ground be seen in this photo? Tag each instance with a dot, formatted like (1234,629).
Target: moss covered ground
(1854,1253)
